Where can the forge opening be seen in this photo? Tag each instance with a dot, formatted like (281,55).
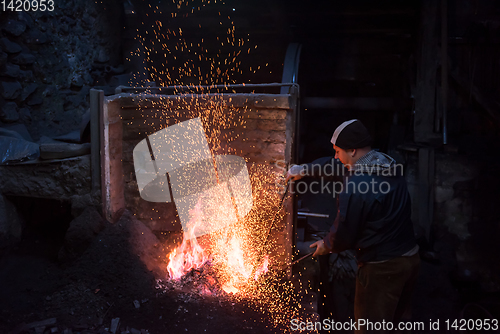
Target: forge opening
(44,223)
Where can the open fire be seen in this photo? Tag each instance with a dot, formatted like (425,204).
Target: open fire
(225,252)
(189,255)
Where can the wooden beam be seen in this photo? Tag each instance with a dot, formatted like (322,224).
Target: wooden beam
(357,103)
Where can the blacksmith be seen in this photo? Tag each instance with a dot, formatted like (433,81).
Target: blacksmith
(373,219)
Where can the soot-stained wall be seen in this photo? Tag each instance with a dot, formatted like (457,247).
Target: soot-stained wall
(50,59)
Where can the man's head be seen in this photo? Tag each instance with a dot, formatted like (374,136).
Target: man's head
(351,141)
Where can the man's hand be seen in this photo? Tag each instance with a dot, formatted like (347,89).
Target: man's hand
(295,173)
(320,248)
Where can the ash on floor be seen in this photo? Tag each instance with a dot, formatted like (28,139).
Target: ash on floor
(113,287)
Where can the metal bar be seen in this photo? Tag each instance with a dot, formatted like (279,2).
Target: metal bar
(168,88)
(296,261)
(290,74)
(42,162)
(308,214)
(96,106)
(290,220)
(291,64)
(300,259)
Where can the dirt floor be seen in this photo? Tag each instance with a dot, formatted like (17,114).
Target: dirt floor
(119,282)
(116,277)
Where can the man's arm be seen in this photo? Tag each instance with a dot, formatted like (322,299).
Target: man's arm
(326,166)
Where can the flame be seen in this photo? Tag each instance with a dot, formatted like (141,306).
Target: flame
(230,289)
(238,270)
(241,270)
(189,255)
(232,257)
(235,259)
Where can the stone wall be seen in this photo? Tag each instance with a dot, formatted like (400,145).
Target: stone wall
(49,60)
(465,224)
(61,179)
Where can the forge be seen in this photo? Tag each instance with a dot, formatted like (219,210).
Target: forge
(256,127)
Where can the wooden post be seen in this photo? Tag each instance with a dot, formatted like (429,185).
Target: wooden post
(427,64)
(96,107)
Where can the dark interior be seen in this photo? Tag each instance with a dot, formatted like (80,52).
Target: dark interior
(422,75)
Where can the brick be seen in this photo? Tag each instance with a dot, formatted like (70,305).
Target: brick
(276,148)
(277,136)
(251,124)
(254,157)
(272,125)
(256,135)
(266,114)
(275,101)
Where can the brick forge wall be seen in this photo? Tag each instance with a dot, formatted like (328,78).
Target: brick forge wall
(257,127)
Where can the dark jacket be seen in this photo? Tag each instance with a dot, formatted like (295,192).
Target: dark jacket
(374,210)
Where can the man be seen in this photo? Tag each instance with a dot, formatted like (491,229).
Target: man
(373,219)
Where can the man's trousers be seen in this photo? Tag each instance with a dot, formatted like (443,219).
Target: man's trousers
(384,290)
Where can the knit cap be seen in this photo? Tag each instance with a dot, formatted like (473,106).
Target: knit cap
(351,134)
